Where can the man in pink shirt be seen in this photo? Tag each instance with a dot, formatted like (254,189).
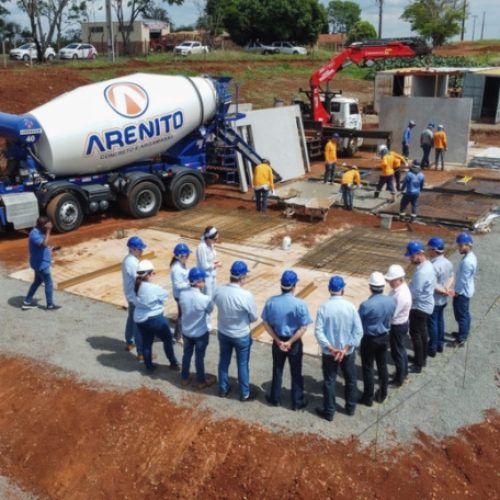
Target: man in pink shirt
(399,324)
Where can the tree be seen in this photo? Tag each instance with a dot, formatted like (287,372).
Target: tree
(342,16)
(437,20)
(268,20)
(362,30)
(156,12)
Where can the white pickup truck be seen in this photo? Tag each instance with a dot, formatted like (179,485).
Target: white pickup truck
(190,47)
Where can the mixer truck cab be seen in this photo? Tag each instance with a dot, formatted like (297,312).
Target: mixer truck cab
(137,141)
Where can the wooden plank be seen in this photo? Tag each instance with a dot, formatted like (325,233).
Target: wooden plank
(97,273)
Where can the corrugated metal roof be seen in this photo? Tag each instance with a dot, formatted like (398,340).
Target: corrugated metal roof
(437,71)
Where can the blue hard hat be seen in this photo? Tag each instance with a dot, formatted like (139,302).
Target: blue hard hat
(196,274)
(136,243)
(238,269)
(289,279)
(335,136)
(181,249)
(464,239)
(413,248)
(436,243)
(430,125)
(336,284)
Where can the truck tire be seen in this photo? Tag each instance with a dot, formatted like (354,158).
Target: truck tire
(65,212)
(185,193)
(142,201)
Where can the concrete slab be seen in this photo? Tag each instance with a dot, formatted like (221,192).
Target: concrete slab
(487,187)
(454,114)
(487,158)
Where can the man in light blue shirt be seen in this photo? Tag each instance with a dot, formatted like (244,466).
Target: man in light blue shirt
(338,331)
(286,318)
(236,310)
(464,287)
(412,187)
(443,270)
(196,308)
(407,138)
(133,337)
(422,285)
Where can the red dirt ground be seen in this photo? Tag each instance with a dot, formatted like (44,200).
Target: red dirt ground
(63,439)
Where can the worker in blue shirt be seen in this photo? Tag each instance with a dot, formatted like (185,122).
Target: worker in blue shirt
(407,138)
(443,269)
(464,288)
(236,310)
(196,308)
(285,318)
(422,285)
(133,337)
(338,330)
(376,315)
(148,314)
(41,261)
(411,188)
(179,278)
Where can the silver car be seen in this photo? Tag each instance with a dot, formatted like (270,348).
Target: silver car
(78,51)
(289,48)
(259,48)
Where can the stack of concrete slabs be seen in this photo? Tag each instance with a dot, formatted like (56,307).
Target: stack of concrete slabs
(486,187)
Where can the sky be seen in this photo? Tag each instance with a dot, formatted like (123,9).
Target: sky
(392,25)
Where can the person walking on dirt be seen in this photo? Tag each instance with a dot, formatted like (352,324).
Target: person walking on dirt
(412,186)
(179,279)
(41,261)
(440,145)
(422,286)
(443,269)
(464,288)
(285,318)
(386,173)
(350,181)
(196,308)
(236,310)
(338,330)
(263,182)
(426,143)
(407,139)
(395,276)
(330,158)
(206,259)
(148,314)
(376,315)
(130,263)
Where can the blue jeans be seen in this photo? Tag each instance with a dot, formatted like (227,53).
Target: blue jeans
(406,150)
(294,356)
(406,200)
(199,346)
(462,316)
(261,196)
(436,329)
(157,326)
(385,180)
(330,368)
(41,276)
(329,172)
(347,196)
(426,150)
(242,347)
(132,333)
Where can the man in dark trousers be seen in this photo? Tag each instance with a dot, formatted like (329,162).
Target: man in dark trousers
(285,319)
(41,261)
(427,143)
(376,314)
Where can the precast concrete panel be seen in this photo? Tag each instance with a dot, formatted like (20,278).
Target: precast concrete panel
(474,88)
(453,113)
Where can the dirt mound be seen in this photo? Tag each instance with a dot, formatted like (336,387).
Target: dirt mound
(63,439)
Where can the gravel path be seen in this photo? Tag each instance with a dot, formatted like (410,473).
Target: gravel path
(84,338)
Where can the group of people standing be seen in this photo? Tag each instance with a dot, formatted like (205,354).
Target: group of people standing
(381,322)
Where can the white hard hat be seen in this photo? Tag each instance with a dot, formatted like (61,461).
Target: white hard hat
(382,148)
(394,272)
(145,266)
(376,279)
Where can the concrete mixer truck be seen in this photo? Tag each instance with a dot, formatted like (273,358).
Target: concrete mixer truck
(138,141)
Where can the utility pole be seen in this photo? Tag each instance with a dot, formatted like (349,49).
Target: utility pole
(482,25)
(463,21)
(380,13)
(473,26)
(109,25)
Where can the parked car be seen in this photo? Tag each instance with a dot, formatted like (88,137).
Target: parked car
(78,51)
(259,48)
(190,47)
(289,48)
(27,51)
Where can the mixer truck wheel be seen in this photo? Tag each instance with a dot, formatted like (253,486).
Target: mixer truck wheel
(143,200)
(65,212)
(185,193)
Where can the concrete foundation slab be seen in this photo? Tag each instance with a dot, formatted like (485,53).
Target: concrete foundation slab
(487,187)
(488,158)
(453,114)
